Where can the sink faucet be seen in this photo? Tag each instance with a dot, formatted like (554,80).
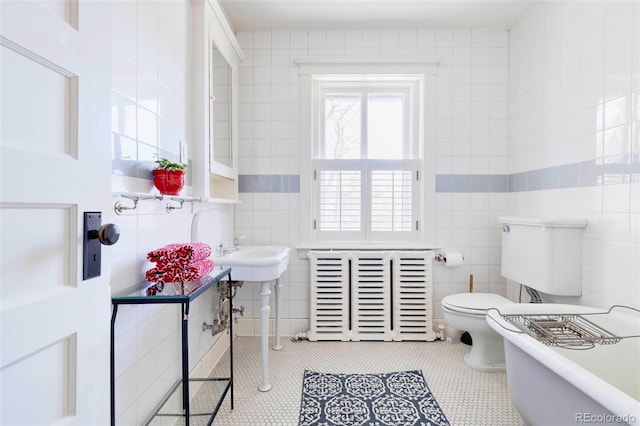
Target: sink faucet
(223,249)
(236,241)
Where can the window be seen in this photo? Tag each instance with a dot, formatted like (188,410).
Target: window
(365,159)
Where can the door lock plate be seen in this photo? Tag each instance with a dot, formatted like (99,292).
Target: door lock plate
(91,247)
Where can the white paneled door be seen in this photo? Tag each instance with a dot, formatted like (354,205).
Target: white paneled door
(55,165)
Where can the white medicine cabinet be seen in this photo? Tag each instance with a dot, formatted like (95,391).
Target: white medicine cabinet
(215,61)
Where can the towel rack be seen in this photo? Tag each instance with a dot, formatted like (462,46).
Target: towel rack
(120,207)
(181,200)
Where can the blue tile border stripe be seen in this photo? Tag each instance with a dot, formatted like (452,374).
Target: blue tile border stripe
(611,170)
(269,183)
(471,183)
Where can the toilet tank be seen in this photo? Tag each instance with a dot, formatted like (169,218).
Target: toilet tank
(544,254)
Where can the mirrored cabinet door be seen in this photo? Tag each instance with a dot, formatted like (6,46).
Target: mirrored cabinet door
(220,114)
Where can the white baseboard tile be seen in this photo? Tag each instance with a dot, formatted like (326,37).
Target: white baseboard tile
(289,326)
(208,362)
(299,325)
(244,327)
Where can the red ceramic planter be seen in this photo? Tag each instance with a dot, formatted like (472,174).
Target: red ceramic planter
(168,182)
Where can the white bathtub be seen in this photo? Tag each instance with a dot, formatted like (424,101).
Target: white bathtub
(553,386)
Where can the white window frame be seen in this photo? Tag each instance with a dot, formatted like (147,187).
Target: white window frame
(363,86)
(419,72)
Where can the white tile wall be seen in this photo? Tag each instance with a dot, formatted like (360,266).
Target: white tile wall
(472,137)
(574,86)
(150,98)
(562,87)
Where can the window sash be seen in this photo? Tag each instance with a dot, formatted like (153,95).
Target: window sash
(337,205)
(396,180)
(362,93)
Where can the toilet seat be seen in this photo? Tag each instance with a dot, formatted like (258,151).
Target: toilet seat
(473,303)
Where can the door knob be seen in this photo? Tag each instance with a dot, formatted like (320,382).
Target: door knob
(96,235)
(108,234)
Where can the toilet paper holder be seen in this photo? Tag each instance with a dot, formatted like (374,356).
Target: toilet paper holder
(440,257)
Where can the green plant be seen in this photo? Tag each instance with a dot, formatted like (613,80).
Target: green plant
(166,164)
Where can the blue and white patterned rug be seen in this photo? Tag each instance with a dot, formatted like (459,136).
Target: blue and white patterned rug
(392,399)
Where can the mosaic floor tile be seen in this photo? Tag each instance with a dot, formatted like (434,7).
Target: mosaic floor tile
(466,396)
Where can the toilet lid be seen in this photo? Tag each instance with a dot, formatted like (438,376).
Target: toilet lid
(473,302)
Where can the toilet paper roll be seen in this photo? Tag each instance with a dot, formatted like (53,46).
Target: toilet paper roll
(453,259)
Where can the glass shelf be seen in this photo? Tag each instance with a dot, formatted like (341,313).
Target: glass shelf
(147,292)
(208,395)
(177,408)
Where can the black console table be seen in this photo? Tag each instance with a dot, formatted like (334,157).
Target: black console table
(182,293)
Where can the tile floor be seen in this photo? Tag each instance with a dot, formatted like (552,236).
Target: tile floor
(467,397)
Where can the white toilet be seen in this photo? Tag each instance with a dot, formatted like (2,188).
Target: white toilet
(468,312)
(543,254)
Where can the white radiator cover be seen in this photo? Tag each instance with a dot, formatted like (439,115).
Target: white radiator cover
(371,295)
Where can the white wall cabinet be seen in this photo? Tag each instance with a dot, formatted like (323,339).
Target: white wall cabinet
(214,101)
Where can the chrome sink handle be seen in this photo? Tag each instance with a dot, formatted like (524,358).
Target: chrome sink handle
(236,240)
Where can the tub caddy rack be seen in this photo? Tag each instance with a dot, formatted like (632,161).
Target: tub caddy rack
(570,331)
(563,330)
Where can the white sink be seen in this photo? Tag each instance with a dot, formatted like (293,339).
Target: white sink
(264,264)
(255,263)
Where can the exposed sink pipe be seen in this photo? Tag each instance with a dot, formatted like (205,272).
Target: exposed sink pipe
(221,314)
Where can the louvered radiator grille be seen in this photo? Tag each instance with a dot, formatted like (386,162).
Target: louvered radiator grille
(412,297)
(371,295)
(330,297)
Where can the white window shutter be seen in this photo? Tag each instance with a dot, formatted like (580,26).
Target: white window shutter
(391,200)
(340,201)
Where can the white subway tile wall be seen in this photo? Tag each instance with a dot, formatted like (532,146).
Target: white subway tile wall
(545,115)
(150,88)
(472,140)
(524,125)
(150,115)
(574,90)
